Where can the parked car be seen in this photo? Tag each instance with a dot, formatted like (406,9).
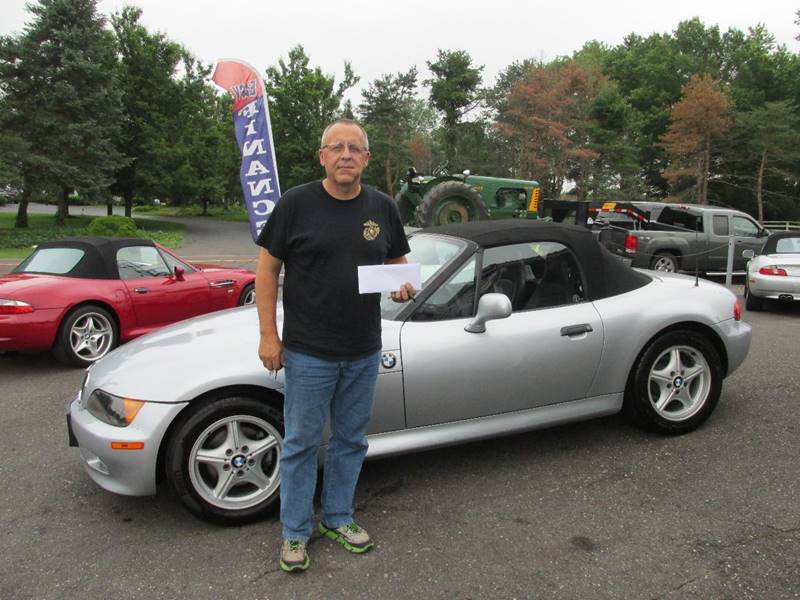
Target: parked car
(519,325)
(775,272)
(81,297)
(687,237)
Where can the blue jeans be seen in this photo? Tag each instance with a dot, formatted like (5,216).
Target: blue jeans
(315,390)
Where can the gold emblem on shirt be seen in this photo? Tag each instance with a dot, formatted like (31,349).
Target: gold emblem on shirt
(371,230)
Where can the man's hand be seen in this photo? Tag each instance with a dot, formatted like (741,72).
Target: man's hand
(405,294)
(270,351)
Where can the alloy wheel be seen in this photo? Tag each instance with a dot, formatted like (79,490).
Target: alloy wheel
(235,462)
(679,383)
(91,336)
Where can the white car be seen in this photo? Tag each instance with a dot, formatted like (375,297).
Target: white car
(775,272)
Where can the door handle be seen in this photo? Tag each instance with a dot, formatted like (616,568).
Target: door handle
(140,290)
(571,330)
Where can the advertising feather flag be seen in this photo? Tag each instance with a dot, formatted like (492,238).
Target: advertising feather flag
(259,172)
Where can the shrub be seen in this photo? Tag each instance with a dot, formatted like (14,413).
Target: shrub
(115,226)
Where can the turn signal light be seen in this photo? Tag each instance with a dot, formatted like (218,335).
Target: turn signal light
(14,307)
(127,445)
(737,311)
(772,270)
(631,244)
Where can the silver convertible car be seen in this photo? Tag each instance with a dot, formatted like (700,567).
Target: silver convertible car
(774,273)
(519,325)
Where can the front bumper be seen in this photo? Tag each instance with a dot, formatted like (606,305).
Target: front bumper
(128,472)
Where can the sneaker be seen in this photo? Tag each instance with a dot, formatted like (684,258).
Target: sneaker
(294,556)
(351,536)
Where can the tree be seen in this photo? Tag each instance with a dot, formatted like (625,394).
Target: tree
(698,120)
(454,92)
(770,132)
(547,119)
(147,64)
(386,112)
(203,154)
(302,102)
(58,81)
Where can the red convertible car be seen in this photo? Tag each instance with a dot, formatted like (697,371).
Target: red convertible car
(81,297)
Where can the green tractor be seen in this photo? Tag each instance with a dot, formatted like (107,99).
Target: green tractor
(426,200)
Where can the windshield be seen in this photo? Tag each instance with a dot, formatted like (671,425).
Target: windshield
(433,253)
(53,261)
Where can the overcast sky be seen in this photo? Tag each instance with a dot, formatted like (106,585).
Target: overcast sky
(387,37)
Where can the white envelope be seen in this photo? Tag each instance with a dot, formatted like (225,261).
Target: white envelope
(388,278)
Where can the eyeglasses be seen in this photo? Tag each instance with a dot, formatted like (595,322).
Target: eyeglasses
(338,148)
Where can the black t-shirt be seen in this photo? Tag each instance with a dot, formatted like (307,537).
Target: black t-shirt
(322,241)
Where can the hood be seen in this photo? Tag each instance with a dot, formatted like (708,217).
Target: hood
(182,361)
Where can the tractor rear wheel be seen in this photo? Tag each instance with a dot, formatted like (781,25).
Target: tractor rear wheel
(451,202)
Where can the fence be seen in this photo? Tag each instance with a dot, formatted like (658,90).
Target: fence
(782,225)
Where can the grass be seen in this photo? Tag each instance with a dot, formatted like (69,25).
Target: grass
(43,228)
(15,253)
(236,213)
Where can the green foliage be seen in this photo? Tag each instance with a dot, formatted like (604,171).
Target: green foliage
(64,59)
(145,67)
(387,115)
(454,92)
(97,110)
(44,228)
(303,100)
(113,226)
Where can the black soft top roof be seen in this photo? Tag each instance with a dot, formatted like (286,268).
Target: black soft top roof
(771,245)
(605,274)
(99,259)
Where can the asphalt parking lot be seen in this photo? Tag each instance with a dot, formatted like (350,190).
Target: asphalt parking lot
(591,510)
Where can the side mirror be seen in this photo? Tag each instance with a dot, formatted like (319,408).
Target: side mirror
(179,273)
(748,254)
(490,307)
(763,233)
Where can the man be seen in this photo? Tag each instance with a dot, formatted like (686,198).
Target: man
(322,231)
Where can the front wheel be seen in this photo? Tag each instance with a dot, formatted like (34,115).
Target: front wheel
(675,384)
(223,460)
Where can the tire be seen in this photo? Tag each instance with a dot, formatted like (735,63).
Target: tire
(86,335)
(451,202)
(684,360)
(248,295)
(406,208)
(249,461)
(751,302)
(664,261)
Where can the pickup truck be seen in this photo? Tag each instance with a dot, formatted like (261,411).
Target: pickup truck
(686,237)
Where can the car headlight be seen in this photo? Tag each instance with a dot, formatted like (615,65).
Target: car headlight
(112,409)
